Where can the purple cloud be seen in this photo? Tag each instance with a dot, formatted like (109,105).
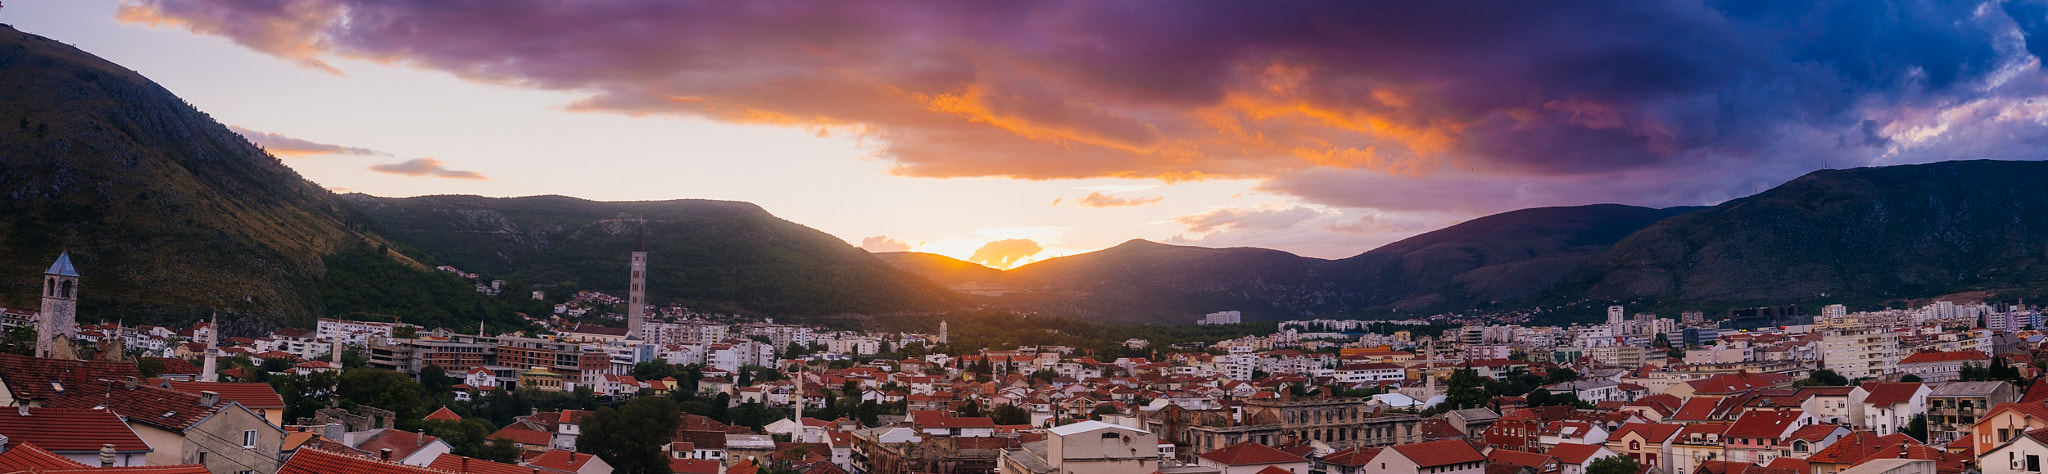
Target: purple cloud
(278,144)
(425,167)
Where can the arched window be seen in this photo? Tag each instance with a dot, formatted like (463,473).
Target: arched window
(49,287)
(1634,445)
(67,288)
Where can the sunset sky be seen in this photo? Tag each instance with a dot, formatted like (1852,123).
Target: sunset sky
(1320,128)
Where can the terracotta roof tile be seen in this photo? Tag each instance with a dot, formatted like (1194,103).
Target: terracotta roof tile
(1520,458)
(1439,453)
(155,406)
(1764,424)
(252,395)
(69,430)
(32,378)
(29,456)
(443,414)
(1888,394)
(562,460)
(401,443)
(1248,453)
(1575,453)
(1940,356)
(314,461)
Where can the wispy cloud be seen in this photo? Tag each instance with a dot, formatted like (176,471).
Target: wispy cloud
(425,167)
(1105,200)
(280,145)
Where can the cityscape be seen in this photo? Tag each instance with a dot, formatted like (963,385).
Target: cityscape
(1044,237)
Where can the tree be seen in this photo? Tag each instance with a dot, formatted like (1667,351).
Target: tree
(630,438)
(501,450)
(354,359)
(1007,414)
(1910,378)
(1100,410)
(1616,464)
(1465,389)
(1824,378)
(1916,428)
(383,389)
(465,437)
(1560,375)
(970,409)
(151,367)
(21,340)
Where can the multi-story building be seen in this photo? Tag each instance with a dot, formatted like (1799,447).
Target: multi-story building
(1938,366)
(577,363)
(1088,447)
(1620,356)
(1955,406)
(1860,352)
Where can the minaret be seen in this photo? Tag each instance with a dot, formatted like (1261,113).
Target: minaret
(211,373)
(942,332)
(637,296)
(57,319)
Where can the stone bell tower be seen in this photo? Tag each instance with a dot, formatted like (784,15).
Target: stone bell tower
(57,319)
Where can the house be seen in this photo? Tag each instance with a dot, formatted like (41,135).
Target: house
(1533,462)
(1954,406)
(1811,439)
(413,449)
(1436,457)
(185,428)
(570,461)
(1885,407)
(1938,366)
(466,465)
(1560,432)
(1253,458)
(1697,443)
(1755,437)
(1346,461)
(2006,422)
(1573,458)
(316,461)
(1647,443)
(1088,447)
(258,397)
(2018,456)
(75,434)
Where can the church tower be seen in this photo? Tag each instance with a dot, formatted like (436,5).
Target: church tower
(57,320)
(942,332)
(211,372)
(636,297)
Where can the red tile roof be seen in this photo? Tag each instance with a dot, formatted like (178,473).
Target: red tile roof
(2036,393)
(24,456)
(1654,432)
(1520,458)
(401,443)
(1888,394)
(1249,453)
(1352,457)
(443,414)
(1737,382)
(1274,470)
(314,461)
(1439,453)
(561,460)
(1814,433)
(155,406)
(1764,424)
(1575,453)
(69,430)
(692,466)
(1939,356)
(252,395)
(32,378)
(522,435)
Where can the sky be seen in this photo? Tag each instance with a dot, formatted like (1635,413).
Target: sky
(1012,132)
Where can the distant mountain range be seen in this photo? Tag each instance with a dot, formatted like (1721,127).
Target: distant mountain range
(170,215)
(1482,261)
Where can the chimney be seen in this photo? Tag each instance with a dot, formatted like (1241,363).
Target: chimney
(132,382)
(22,410)
(465,464)
(384,453)
(107,455)
(208,398)
(419,438)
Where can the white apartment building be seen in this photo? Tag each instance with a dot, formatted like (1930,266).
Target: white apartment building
(1860,352)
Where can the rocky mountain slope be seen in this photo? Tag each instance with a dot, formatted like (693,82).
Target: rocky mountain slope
(711,255)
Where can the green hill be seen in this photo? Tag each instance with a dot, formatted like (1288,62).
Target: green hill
(710,255)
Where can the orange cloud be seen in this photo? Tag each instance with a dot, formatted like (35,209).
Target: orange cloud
(1097,199)
(882,243)
(1004,253)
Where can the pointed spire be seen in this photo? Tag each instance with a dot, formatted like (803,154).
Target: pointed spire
(62,267)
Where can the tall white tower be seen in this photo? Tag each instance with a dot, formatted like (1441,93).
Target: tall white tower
(57,319)
(1614,316)
(211,372)
(942,332)
(636,298)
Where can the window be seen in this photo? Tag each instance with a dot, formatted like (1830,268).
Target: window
(2033,463)
(248,438)
(202,457)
